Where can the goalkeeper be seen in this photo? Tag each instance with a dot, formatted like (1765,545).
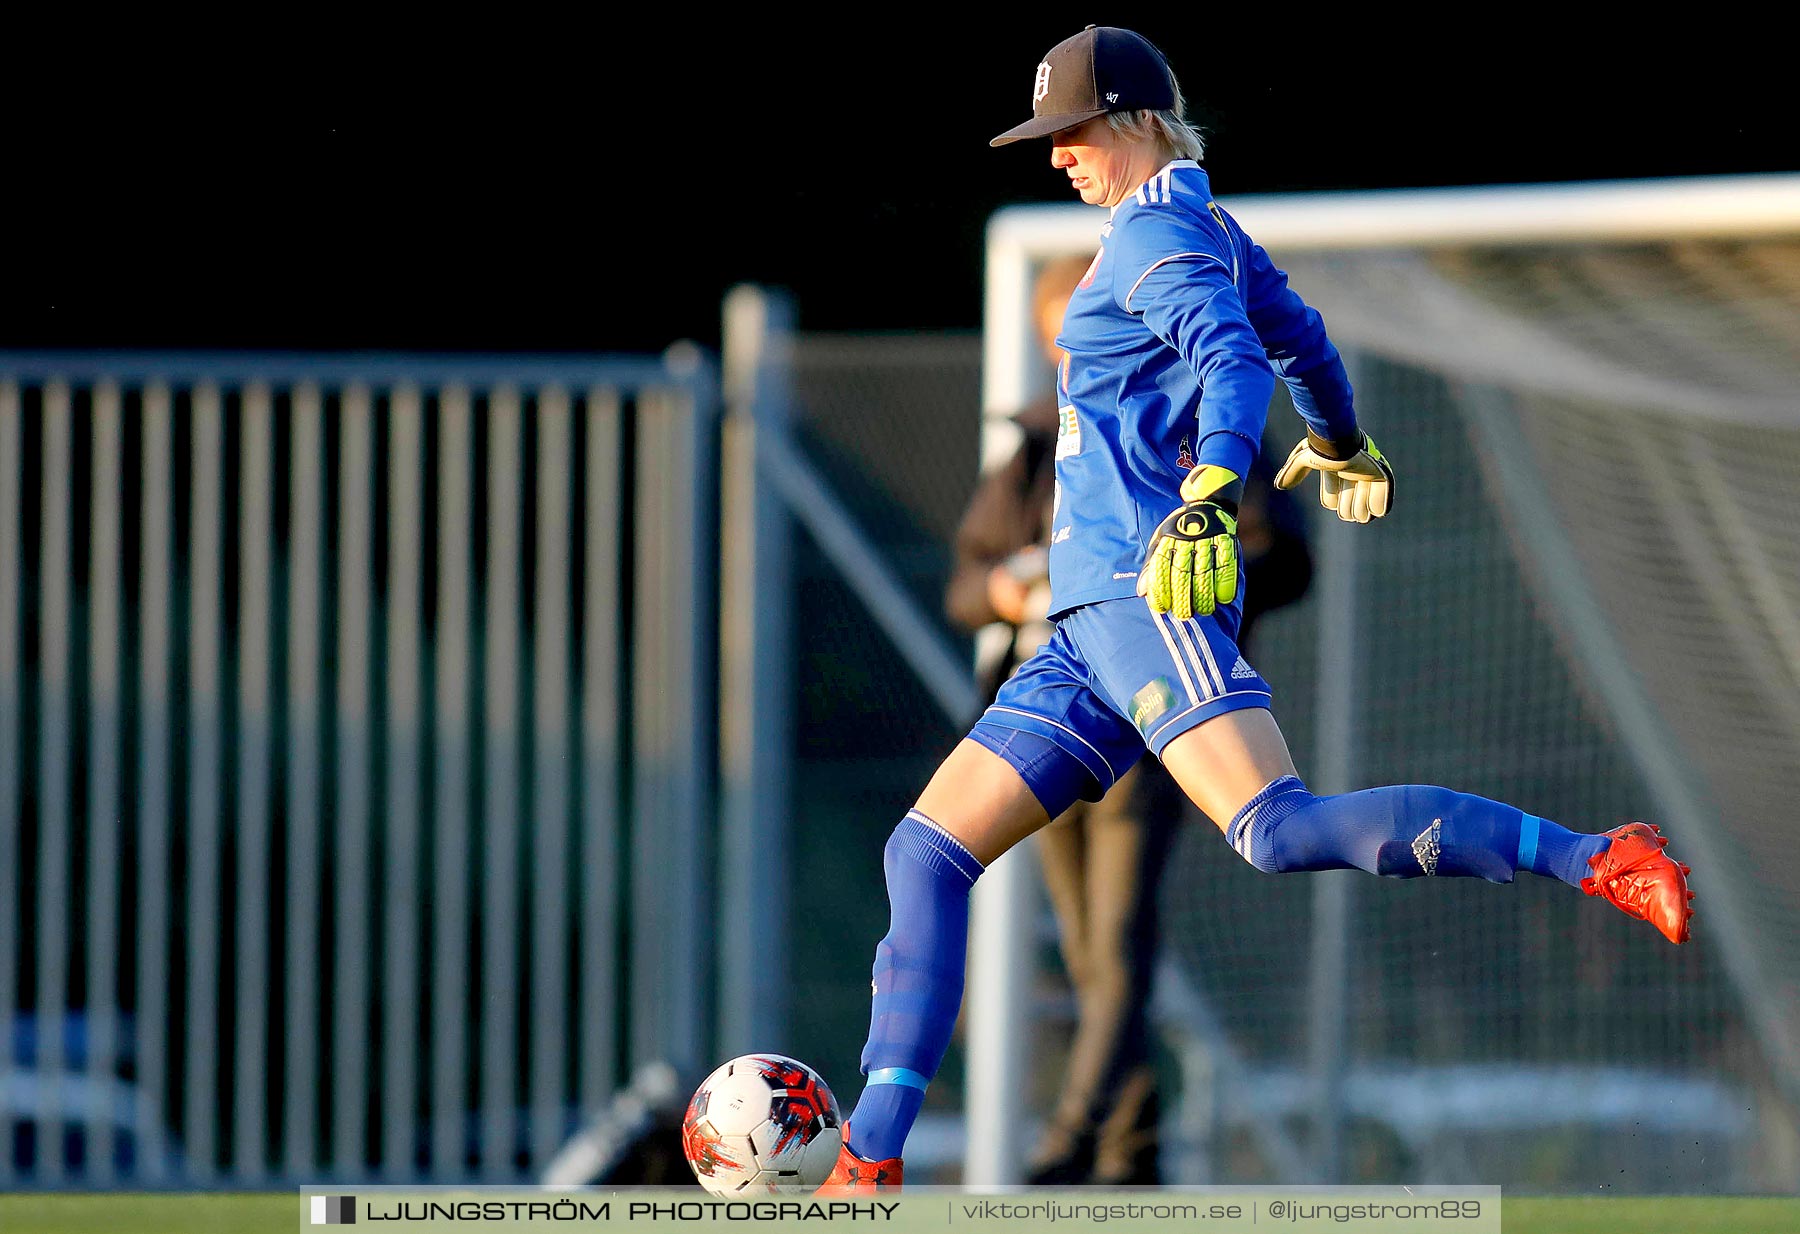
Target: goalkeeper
(1103,861)
(1177,332)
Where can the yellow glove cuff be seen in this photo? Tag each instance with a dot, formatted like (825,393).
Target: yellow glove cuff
(1203,481)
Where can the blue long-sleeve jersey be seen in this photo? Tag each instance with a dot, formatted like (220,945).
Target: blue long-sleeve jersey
(1174,339)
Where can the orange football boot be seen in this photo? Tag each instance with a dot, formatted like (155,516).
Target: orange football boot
(854,1176)
(1642,881)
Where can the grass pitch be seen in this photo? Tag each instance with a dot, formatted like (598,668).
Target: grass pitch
(279,1213)
(223,1213)
(1650,1215)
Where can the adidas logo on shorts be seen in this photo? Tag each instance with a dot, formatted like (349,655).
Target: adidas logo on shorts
(1241,671)
(1428,846)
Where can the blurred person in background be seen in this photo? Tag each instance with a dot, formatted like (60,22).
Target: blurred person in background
(1103,861)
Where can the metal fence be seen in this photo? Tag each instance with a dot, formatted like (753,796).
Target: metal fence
(354,766)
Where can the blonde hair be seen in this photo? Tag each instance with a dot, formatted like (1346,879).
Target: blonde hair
(1169,129)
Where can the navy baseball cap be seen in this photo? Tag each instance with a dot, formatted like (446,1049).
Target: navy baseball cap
(1101,69)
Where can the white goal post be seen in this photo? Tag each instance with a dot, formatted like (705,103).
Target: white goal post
(1020,239)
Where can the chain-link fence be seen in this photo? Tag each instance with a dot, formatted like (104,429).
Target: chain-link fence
(893,421)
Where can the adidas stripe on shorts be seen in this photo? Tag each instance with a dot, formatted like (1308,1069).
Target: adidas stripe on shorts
(1116,678)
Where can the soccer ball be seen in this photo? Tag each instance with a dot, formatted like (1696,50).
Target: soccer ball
(763,1124)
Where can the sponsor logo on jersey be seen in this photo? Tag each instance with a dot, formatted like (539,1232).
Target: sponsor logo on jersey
(1062,534)
(1184,455)
(1150,703)
(1241,671)
(1068,432)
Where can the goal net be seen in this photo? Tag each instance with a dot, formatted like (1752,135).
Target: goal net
(1587,602)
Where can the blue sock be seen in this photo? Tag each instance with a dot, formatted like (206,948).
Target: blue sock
(1405,831)
(918,981)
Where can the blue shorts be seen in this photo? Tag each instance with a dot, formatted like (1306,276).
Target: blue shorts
(1114,680)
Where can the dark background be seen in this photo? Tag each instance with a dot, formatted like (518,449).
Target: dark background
(593,187)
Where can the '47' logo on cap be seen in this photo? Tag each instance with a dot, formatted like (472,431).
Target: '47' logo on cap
(1041,87)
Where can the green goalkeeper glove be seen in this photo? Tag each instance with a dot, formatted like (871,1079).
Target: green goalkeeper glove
(1192,565)
(1354,479)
